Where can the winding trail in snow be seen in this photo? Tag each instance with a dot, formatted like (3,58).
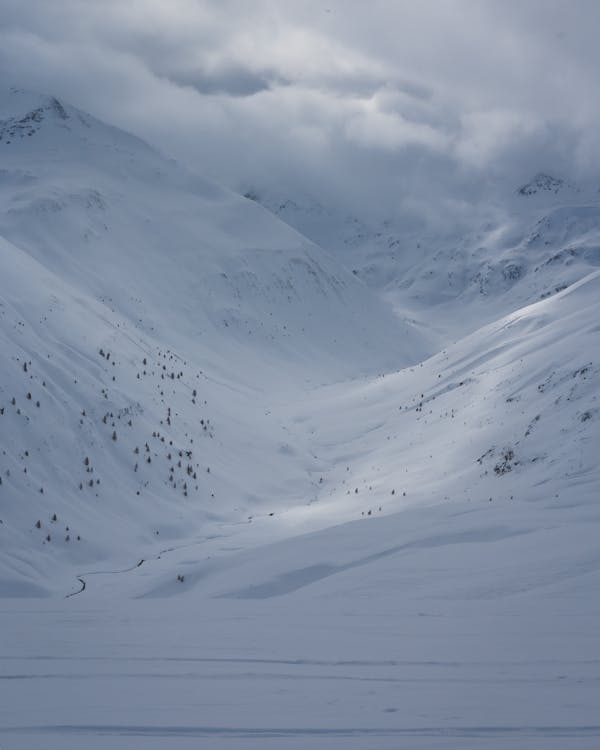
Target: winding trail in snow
(101,572)
(74,593)
(174,548)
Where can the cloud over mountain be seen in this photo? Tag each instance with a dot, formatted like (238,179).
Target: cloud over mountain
(315,93)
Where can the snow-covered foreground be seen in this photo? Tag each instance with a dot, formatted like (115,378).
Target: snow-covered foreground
(240,508)
(461,626)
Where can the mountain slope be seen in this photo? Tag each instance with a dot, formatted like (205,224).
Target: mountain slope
(147,319)
(504,424)
(178,254)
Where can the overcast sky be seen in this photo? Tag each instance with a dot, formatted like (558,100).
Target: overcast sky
(376,101)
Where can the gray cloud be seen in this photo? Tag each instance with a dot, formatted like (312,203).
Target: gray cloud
(387,104)
(235,81)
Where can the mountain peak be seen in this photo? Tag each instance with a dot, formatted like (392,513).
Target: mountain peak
(24,114)
(545,183)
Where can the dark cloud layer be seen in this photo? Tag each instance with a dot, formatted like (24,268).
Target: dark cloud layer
(230,81)
(383,103)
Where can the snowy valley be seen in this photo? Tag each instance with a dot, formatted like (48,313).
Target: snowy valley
(278,445)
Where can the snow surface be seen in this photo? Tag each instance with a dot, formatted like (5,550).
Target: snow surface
(245,505)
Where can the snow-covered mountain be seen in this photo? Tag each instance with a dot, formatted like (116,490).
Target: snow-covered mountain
(156,329)
(179,254)
(358,469)
(146,317)
(508,417)
(525,244)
